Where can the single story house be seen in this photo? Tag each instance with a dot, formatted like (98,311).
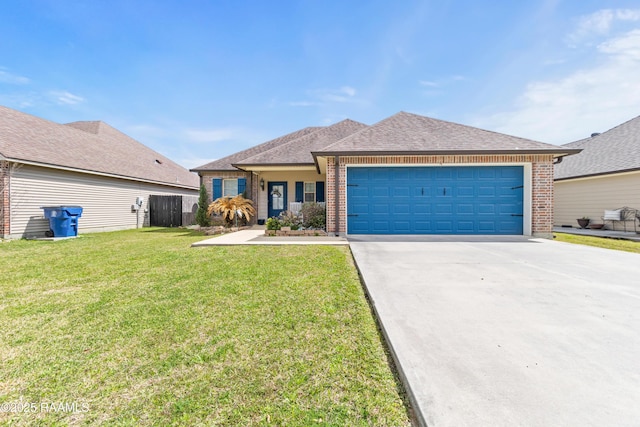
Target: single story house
(604,176)
(89,164)
(407,174)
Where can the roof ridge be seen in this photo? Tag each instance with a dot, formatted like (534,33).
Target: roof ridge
(328,130)
(29,138)
(230,157)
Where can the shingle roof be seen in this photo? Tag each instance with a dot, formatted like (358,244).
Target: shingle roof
(226,163)
(86,146)
(615,150)
(405,133)
(298,151)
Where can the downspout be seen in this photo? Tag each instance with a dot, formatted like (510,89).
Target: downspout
(337,194)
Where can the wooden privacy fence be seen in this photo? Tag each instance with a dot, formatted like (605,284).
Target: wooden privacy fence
(172,211)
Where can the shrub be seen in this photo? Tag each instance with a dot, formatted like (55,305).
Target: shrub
(289,219)
(273,224)
(202,219)
(315,215)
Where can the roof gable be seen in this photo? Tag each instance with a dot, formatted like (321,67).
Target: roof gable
(298,151)
(226,163)
(616,150)
(86,146)
(406,133)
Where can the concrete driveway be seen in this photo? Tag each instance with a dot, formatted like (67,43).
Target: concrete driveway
(509,331)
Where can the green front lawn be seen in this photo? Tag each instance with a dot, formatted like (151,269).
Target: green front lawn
(601,242)
(137,328)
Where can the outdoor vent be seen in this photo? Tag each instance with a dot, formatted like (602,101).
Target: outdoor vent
(595,134)
(158,162)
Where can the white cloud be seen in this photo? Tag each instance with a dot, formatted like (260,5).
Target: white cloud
(304,104)
(193,162)
(10,78)
(243,137)
(66,98)
(428,83)
(588,100)
(210,135)
(344,94)
(601,22)
(321,97)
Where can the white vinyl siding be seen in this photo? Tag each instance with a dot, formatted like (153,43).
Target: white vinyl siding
(590,197)
(106,201)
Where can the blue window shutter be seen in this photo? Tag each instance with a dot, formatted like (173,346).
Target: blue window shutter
(217,188)
(299,191)
(242,185)
(319,191)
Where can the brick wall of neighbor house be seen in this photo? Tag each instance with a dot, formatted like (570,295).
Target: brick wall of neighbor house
(542,182)
(4,199)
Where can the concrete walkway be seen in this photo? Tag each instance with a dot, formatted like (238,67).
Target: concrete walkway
(508,331)
(255,236)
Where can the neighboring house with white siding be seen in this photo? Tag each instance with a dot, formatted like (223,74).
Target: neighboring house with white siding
(604,176)
(89,164)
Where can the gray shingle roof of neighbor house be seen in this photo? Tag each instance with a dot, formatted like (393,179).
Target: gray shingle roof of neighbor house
(298,151)
(93,147)
(226,163)
(406,133)
(613,151)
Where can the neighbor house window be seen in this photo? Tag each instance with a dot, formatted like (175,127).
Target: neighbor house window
(229,187)
(309,191)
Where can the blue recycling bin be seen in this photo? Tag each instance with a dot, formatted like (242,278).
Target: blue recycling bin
(63,220)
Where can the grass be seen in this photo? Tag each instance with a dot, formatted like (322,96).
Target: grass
(137,328)
(601,242)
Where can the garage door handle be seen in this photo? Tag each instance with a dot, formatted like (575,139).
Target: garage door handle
(352,215)
(517,215)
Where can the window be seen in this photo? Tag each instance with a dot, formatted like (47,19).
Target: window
(229,187)
(309,191)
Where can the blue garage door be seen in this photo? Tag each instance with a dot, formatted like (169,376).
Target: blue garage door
(435,200)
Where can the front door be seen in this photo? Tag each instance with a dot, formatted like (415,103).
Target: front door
(277,198)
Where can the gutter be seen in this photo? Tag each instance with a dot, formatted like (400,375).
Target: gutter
(557,153)
(109,175)
(592,175)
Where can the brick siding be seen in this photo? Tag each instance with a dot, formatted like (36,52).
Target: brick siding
(542,182)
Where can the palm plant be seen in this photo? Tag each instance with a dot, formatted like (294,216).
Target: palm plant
(232,208)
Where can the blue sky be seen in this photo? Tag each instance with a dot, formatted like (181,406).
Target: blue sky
(197,80)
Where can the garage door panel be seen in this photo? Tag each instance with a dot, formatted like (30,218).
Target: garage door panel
(401,191)
(401,208)
(380,208)
(465,192)
(465,208)
(435,200)
(465,227)
(443,208)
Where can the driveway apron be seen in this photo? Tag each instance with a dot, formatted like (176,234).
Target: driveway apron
(508,331)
